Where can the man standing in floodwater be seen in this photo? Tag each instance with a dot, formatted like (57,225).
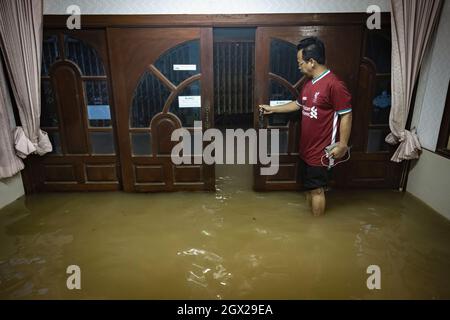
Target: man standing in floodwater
(326,119)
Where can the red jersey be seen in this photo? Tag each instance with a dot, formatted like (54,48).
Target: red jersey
(322,100)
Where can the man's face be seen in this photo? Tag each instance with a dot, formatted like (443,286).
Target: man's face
(304,66)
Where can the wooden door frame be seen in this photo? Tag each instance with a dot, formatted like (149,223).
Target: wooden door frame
(215,20)
(212,20)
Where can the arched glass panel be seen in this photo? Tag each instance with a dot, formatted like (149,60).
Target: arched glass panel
(86,57)
(180,62)
(50,53)
(279,95)
(99,114)
(149,98)
(283,60)
(379,51)
(49,116)
(187,105)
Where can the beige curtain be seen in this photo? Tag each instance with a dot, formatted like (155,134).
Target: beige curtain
(21,42)
(10,164)
(413,23)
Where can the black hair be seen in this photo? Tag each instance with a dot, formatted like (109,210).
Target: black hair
(313,48)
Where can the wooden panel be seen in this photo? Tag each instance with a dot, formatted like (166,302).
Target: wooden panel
(368,170)
(287,172)
(187,173)
(70,97)
(162,127)
(366,173)
(59,173)
(149,174)
(101,172)
(207,59)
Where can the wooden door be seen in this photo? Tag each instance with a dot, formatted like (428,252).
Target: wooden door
(163,80)
(278,80)
(78,115)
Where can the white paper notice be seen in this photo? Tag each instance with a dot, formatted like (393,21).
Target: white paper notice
(278,102)
(189,101)
(184,67)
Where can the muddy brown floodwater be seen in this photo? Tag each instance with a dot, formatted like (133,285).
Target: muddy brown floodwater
(231,244)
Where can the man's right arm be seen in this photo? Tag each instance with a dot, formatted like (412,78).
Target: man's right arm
(284,108)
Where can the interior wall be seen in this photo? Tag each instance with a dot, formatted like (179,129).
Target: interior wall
(429,177)
(429,180)
(10,189)
(212,6)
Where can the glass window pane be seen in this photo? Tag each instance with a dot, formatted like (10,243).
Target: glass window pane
(283,60)
(187,105)
(279,94)
(283,142)
(49,117)
(86,57)
(55,141)
(102,142)
(141,143)
(49,53)
(180,62)
(376,141)
(99,114)
(382,101)
(149,98)
(379,50)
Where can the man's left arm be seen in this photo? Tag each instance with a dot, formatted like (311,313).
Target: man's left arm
(341,100)
(345,128)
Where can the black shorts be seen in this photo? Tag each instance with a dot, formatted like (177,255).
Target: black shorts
(313,177)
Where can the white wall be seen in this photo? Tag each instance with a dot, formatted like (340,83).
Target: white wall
(211,6)
(429,177)
(429,180)
(10,189)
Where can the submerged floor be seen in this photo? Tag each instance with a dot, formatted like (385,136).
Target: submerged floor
(232,244)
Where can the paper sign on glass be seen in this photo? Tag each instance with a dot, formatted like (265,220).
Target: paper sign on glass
(99,112)
(184,67)
(189,101)
(278,102)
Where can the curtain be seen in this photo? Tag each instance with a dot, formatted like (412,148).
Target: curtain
(21,43)
(413,23)
(10,164)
